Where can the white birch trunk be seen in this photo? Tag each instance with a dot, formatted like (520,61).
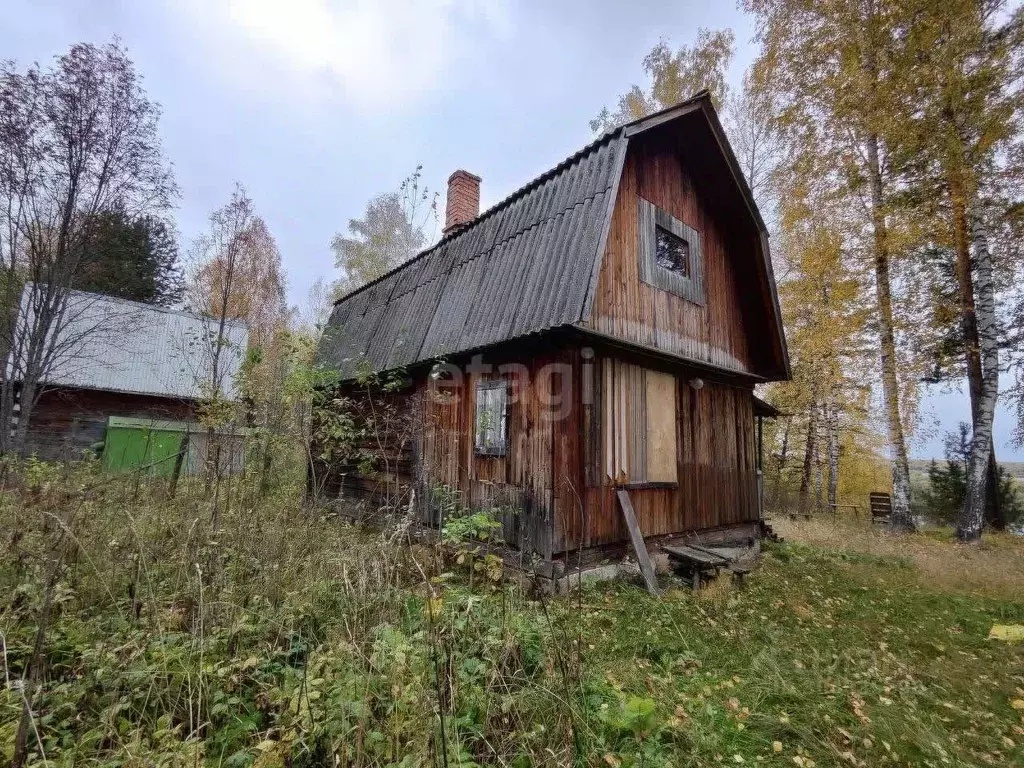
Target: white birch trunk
(832,443)
(972,515)
(901,518)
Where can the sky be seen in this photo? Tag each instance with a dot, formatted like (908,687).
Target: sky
(318,105)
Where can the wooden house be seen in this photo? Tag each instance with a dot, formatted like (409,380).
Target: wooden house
(600,329)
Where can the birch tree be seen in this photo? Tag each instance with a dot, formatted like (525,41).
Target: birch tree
(674,77)
(395,227)
(973,514)
(825,320)
(958,61)
(752,123)
(237,277)
(831,65)
(218,257)
(76,139)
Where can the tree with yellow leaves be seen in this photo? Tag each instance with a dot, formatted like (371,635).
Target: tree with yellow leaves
(825,317)
(828,64)
(675,77)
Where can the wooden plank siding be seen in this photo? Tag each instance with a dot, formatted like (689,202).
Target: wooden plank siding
(717,332)
(715,469)
(542,469)
(552,491)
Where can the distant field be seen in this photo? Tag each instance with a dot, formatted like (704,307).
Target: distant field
(1015,468)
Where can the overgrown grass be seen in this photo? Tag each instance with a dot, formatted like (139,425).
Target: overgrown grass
(993,567)
(289,638)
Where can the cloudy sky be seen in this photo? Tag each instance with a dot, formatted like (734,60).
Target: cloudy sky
(318,105)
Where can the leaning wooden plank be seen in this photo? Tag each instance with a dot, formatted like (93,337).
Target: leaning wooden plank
(637,537)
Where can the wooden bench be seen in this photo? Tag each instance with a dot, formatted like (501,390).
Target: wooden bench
(881,507)
(836,507)
(739,573)
(698,562)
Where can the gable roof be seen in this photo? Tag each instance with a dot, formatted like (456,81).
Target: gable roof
(524,266)
(113,344)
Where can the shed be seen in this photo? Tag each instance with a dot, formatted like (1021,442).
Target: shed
(154,446)
(125,360)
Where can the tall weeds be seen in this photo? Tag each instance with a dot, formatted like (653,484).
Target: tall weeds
(138,632)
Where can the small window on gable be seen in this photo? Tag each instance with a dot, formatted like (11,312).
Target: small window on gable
(669,253)
(672,252)
(491,422)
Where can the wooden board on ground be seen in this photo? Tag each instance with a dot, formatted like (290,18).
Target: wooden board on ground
(637,537)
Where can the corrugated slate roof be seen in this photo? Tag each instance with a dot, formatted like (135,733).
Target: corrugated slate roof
(126,346)
(521,267)
(526,265)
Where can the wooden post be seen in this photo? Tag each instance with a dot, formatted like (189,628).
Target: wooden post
(182,451)
(760,468)
(637,537)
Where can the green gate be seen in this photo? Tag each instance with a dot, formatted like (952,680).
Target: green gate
(146,445)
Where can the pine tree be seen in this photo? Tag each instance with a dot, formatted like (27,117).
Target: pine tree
(132,258)
(947,482)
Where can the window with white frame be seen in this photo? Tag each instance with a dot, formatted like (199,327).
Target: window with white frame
(491,424)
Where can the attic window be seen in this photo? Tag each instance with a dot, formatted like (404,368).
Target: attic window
(669,253)
(672,252)
(491,431)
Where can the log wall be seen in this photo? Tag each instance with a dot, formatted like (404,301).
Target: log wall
(65,422)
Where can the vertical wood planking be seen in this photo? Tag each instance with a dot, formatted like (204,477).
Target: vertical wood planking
(635,311)
(714,463)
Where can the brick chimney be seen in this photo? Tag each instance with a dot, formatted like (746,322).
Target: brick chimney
(463,200)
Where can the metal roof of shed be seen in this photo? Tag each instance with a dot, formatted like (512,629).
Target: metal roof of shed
(117,345)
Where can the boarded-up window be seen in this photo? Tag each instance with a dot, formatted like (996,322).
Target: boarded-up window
(491,418)
(638,424)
